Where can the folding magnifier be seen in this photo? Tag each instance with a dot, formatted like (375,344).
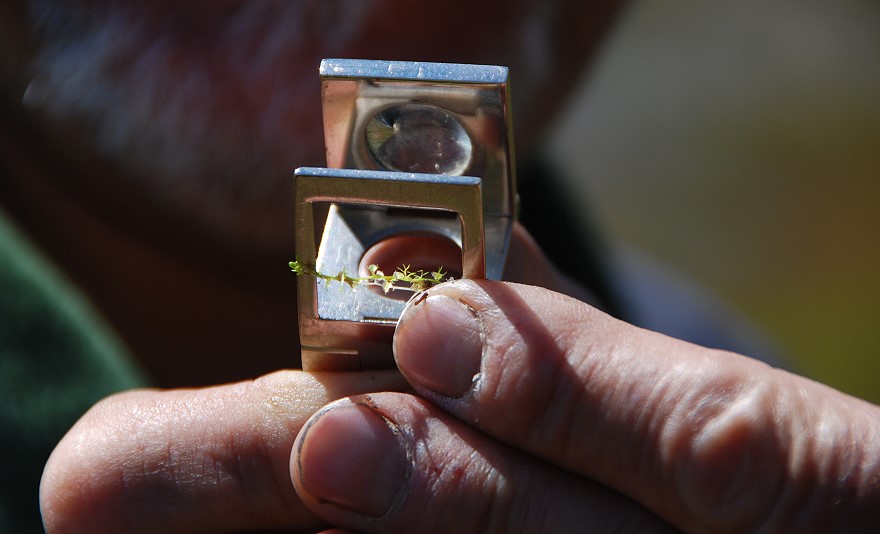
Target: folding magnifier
(412,149)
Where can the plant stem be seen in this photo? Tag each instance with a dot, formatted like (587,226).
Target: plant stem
(402,278)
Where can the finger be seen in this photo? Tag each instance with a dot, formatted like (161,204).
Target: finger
(526,263)
(214,459)
(708,440)
(396,463)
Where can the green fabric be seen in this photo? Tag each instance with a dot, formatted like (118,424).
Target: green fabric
(56,359)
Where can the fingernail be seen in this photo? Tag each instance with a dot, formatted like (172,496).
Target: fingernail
(350,456)
(439,344)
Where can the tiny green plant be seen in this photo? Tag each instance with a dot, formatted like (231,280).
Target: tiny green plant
(403,278)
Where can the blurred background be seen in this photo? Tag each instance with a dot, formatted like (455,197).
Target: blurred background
(739,143)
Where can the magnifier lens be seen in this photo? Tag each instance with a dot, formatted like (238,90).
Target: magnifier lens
(414,137)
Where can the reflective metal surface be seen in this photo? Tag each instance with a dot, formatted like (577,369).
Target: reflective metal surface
(418,136)
(477,97)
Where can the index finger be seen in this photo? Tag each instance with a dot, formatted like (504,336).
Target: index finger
(706,439)
(214,459)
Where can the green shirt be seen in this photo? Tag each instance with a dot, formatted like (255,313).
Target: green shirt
(57,358)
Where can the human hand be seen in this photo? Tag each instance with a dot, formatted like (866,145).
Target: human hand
(540,413)
(210,460)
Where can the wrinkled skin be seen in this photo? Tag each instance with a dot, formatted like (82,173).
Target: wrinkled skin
(149,150)
(530,411)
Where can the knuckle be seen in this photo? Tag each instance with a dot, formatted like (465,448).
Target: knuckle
(731,454)
(457,483)
(491,498)
(533,391)
(775,456)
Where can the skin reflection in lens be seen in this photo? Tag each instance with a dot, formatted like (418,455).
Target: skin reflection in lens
(423,251)
(419,138)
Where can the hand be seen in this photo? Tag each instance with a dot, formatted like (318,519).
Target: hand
(540,413)
(214,459)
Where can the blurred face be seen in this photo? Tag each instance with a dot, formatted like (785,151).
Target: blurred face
(188,119)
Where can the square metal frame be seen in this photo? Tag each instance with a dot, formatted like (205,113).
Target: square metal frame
(345,329)
(334,344)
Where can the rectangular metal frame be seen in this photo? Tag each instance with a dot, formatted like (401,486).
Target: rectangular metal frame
(344,329)
(360,344)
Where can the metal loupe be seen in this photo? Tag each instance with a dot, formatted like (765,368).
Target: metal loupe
(412,148)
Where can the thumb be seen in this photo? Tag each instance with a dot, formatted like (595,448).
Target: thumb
(706,439)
